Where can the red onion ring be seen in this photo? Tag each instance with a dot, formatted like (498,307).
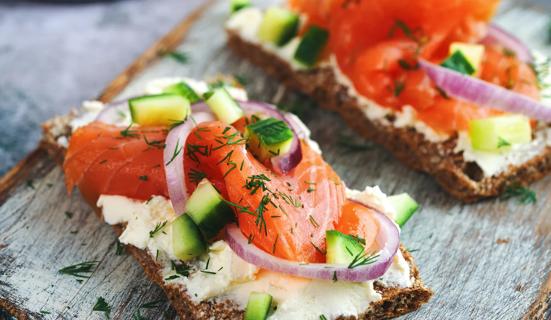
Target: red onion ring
(388,235)
(173,157)
(500,36)
(484,93)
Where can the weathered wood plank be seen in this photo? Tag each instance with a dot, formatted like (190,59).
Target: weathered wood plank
(484,261)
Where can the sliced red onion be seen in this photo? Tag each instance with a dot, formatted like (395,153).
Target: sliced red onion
(173,158)
(500,36)
(484,93)
(388,235)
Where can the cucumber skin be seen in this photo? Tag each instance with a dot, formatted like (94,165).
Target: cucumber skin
(258,306)
(210,224)
(311,46)
(187,241)
(183,89)
(287,30)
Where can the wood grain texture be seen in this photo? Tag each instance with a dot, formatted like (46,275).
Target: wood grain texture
(485,261)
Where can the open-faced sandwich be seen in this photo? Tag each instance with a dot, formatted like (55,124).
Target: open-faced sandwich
(229,206)
(434,82)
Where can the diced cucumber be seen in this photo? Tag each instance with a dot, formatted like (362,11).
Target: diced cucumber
(208,210)
(236,5)
(223,105)
(498,133)
(472,52)
(311,46)
(342,248)
(159,110)
(458,62)
(405,207)
(278,26)
(187,240)
(258,306)
(183,89)
(268,138)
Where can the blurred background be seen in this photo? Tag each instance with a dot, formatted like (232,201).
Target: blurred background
(54,54)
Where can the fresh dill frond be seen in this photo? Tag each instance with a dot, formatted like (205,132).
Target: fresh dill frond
(81,270)
(102,306)
(179,56)
(196,176)
(523,194)
(158,227)
(362,259)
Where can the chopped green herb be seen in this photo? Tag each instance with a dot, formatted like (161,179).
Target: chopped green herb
(398,87)
(502,143)
(102,306)
(69,214)
(172,277)
(509,53)
(143,178)
(181,57)
(349,143)
(335,276)
(458,62)
(241,79)
(158,227)
(407,66)
(257,181)
(44,311)
(81,270)
(208,272)
(362,259)
(119,251)
(442,93)
(30,184)
(180,269)
(318,249)
(275,244)
(322,317)
(401,25)
(524,195)
(154,143)
(177,150)
(196,176)
(128,132)
(152,304)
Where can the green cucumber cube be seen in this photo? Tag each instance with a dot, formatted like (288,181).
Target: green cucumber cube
(499,133)
(268,138)
(458,62)
(187,240)
(342,248)
(208,210)
(223,105)
(159,110)
(258,306)
(405,207)
(236,5)
(311,46)
(278,26)
(184,90)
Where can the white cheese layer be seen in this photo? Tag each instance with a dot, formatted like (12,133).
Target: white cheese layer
(229,277)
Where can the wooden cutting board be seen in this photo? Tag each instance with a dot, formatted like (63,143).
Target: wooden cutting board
(489,260)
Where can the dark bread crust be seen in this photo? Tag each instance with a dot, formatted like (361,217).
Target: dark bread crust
(394,302)
(461,179)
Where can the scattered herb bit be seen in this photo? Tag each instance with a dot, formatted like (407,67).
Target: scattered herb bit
(398,87)
(502,143)
(322,317)
(158,227)
(401,25)
(30,184)
(407,66)
(49,185)
(81,270)
(412,250)
(318,249)
(509,53)
(196,176)
(180,269)
(128,133)
(442,93)
(208,272)
(103,161)
(524,195)
(335,276)
(257,181)
(44,311)
(181,57)
(362,259)
(69,214)
(73,231)
(119,251)
(177,150)
(241,79)
(275,244)
(137,315)
(172,277)
(458,62)
(313,221)
(154,143)
(143,178)
(102,306)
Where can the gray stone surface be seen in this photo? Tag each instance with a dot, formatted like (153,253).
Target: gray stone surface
(53,56)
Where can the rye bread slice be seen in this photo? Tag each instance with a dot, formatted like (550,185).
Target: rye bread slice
(463,180)
(394,302)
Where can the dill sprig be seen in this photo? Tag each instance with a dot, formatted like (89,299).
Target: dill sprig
(81,270)
(119,251)
(102,306)
(128,132)
(180,269)
(158,227)
(524,195)
(502,143)
(177,150)
(257,181)
(160,144)
(362,259)
(196,176)
(181,57)
(193,149)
